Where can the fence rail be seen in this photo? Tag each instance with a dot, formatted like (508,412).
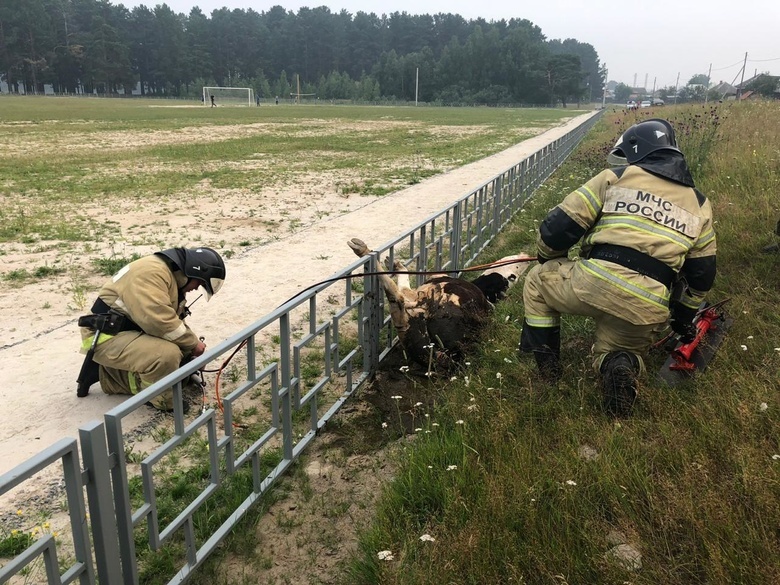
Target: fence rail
(318,349)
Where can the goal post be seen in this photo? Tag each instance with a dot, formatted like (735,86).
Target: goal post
(228,96)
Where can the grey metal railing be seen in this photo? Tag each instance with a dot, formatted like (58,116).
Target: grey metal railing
(318,348)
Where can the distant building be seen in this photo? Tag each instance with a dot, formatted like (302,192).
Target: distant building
(725,90)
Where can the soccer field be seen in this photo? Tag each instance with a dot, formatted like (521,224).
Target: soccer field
(96,177)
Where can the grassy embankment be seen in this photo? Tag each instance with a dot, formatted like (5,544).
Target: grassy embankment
(535,485)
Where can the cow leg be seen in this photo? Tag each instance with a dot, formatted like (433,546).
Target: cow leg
(401,274)
(396,300)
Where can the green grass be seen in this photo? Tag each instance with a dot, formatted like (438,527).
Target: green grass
(692,480)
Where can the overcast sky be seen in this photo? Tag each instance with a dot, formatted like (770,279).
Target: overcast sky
(637,40)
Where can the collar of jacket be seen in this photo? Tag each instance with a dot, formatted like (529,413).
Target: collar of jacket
(668,165)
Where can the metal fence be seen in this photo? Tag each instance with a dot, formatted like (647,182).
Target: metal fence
(299,364)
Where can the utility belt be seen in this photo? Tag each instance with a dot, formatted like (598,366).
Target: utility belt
(107,320)
(636,261)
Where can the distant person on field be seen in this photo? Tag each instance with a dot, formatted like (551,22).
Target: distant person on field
(213,105)
(644,230)
(148,338)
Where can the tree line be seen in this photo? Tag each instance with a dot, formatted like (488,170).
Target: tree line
(95,47)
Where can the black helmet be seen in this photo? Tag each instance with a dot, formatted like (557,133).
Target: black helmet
(642,139)
(203,264)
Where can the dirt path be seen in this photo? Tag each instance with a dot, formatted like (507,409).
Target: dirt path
(40,353)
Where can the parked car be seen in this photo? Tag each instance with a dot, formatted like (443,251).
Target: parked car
(631,104)
(645,104)
(658,102)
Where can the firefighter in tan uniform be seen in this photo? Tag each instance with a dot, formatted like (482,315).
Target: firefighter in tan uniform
(644,231)
(136,333)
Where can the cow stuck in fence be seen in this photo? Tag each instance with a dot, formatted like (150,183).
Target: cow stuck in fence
(438,320)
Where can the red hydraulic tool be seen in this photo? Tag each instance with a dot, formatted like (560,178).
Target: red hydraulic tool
(687,358)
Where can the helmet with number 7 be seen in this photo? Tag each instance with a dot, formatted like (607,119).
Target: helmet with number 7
(641,140)
(202,264)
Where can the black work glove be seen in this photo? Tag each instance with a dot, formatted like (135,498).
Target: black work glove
(682,322)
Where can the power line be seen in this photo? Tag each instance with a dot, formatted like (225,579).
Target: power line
(729,67)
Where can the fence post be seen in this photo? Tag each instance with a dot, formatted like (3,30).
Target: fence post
(497,199)
(94,454)
(455,239)
(373,296)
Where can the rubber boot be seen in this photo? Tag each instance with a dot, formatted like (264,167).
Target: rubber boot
(619,372)
(545,344)
(549,365)
(90,375)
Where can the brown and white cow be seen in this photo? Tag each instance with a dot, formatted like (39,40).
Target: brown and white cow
(438,320)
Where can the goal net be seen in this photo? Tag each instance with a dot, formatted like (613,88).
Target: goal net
(228,96)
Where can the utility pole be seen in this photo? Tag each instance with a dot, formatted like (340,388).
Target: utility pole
(676,83)
(741,81)
(604,95)
(416,83)
(652,95)
(707,90)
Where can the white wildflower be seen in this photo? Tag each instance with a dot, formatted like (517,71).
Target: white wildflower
(744,347)
(498,376)
(472,407)
(427,538)
(452,467)
(466,380)
(404,368)
(507,360)
(385,555)
(418,403)
(467,363)
(417,430)
(571,482)
(396,397)
(750,337)
(460,422)
(453,378)
(775,456)
(763,406)
(434,424)
(384,425)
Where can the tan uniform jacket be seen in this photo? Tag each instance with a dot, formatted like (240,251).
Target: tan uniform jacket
(636,209)
(148,292)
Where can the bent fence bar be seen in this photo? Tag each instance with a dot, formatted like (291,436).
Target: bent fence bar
(316,349)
